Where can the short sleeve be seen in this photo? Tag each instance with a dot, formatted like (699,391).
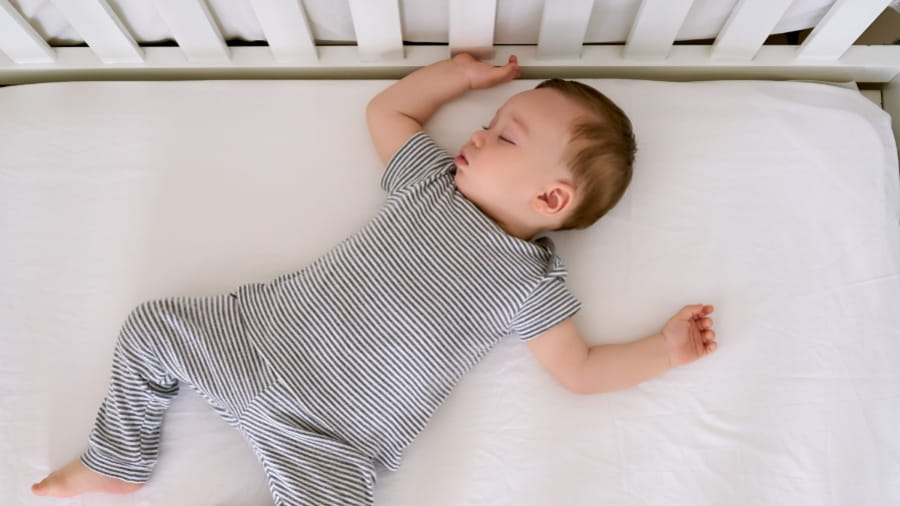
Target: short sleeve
(549,304)
(418,158)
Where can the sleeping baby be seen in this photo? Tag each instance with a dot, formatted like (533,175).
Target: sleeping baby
(329,369)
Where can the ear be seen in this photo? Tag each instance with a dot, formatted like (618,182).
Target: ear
(553,200)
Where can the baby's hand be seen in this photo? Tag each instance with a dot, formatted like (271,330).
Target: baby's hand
(689,335)
(484,75)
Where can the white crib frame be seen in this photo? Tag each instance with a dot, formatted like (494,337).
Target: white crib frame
(649,52)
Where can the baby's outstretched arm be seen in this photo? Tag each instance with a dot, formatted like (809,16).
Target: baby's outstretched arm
(562,351)
(401,109)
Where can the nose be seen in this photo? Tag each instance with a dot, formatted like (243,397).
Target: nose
(478,138)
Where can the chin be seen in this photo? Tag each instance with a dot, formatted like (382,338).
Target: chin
(459,182)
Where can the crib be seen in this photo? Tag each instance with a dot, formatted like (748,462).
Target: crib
(185,147)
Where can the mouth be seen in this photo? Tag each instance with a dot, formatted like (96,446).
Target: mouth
(461,159)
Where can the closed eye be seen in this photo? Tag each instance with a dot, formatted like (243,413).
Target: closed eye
(502,138)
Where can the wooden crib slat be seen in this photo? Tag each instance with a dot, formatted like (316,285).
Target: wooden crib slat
(747,28)
(287,29)
(841,26)
(194,30)
(99,26)
(471,27)
(655,28)
(378,33)
(19,40)
(871,64)
(563,27)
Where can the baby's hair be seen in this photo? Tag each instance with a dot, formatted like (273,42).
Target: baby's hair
(600,154)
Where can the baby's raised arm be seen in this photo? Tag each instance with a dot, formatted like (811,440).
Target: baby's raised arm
(581,369)
(401,109)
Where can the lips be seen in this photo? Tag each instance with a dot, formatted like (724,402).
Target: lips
(461,158)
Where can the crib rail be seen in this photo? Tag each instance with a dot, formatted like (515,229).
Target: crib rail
(649,51)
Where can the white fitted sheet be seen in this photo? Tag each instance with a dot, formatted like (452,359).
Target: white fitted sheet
(776,201)
(517,21)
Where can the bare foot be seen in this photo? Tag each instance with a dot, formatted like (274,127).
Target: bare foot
(76,479)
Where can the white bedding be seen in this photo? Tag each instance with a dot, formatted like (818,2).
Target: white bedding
(776,201)
(517,21)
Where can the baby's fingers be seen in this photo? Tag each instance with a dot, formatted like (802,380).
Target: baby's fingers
(694,311)
(487,75)
(507,72)
(709,341)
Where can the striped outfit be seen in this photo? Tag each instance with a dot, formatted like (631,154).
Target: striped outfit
(342,363)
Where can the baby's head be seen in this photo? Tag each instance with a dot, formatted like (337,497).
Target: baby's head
(552,158)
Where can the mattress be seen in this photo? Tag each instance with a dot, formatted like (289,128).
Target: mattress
(517,21)
(777,202)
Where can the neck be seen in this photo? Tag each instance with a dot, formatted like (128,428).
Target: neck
(522,231)
(510,224)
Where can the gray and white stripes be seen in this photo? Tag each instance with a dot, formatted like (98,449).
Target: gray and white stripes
(327,369)
(165,343)
(373,336)
(201,343)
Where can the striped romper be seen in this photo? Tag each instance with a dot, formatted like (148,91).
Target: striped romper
(328,369)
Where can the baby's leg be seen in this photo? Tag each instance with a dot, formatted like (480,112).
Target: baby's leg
(304,467)
(163,343)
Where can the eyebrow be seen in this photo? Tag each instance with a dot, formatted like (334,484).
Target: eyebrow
(521,124)
(518,121)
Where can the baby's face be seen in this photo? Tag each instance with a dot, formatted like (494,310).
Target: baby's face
(504,165)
